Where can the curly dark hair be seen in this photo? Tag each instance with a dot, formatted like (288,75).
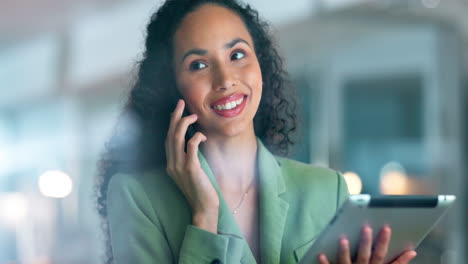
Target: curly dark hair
(137,143)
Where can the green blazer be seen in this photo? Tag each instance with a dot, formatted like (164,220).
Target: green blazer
(150,219)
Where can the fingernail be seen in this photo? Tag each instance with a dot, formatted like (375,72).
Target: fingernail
(179,103)
(344,242)
(322,257)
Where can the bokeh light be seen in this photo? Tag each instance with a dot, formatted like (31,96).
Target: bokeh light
(393,179)
(353,181)
(13,208)
(55,184)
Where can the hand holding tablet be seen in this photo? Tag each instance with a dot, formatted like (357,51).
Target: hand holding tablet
(366,252)
(378,229)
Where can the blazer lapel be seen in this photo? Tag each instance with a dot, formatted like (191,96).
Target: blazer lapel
(273,209)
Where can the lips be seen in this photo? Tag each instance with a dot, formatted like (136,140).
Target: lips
(230,106)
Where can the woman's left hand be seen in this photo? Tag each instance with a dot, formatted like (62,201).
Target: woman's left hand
(365,254)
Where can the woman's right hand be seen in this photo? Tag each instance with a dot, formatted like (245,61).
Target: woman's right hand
(184,168)
(367,255)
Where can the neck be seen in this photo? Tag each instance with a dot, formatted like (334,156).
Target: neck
(232,160)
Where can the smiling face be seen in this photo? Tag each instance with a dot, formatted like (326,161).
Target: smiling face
(217,71)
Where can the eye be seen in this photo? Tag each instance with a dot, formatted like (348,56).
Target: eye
(237,55)
(197,65)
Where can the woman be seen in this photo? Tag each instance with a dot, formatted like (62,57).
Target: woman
(197,183)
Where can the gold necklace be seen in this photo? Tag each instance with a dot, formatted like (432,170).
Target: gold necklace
(243,197)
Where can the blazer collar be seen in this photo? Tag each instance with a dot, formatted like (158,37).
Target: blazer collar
(272,208)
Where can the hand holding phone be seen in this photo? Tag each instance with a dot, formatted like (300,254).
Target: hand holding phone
(184,168)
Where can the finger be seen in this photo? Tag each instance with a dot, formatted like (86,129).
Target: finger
(405,257)
(323,259)
(381,247)
(365,246)
(192,148)
(344,257)
(175,117)
(179,137)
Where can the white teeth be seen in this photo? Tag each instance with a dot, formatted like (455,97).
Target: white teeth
(229,105)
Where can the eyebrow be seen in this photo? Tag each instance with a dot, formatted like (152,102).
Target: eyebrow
(234,42)
(203,51)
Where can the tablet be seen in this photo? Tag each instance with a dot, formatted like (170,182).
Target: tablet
(411,218)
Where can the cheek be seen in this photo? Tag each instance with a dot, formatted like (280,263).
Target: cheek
(253,78)
(192,93)
(193,101)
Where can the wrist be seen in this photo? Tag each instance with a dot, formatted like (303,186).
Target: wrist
(206,220)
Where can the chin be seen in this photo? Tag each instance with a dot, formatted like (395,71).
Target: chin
(232,130)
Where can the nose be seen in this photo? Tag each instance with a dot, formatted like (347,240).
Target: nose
(224,78)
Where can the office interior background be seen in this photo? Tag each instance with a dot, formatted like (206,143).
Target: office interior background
(381,85)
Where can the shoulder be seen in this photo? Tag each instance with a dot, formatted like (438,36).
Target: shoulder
(127,188)
(308,182)
(153,189)
(139,183)
(133,181)
(302,172)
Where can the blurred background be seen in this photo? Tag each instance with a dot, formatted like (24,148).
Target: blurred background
(382,89)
